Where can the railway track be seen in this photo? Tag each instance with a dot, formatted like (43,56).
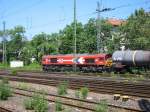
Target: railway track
(2,109)
(73,102)
(95,85)
(79,74)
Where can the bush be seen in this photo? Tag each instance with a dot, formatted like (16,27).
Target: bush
(41,105)
(102,106)
(84,92)
(58,105)
(5,91)
(28,103)
(62,88)
(37,102)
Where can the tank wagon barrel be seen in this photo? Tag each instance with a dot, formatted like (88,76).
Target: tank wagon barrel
(132,58)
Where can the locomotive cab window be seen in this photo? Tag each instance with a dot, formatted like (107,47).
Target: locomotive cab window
(101,58)
(90,60)
(53,60)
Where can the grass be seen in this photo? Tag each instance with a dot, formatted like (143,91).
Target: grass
(30,67)
(25,86)
(3,66)
(33,66)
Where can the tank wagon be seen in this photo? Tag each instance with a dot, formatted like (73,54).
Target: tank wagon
(118,61)
(127,59)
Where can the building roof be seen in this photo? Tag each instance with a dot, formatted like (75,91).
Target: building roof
(115,22)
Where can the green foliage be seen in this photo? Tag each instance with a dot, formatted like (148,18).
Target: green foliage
(62,88)
(5,91)
(84,92)
(3,66)
(136,30)
(102,106)
(58,105)
(5,80)
(77,94)
(24,86)
(14,72)
(28,103)
(37,102)
(32,66)
(16,43)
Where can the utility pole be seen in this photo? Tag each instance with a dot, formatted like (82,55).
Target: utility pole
(99,41)
(75,22)
(4,43)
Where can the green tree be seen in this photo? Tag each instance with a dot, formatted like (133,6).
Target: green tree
(137,30)
(27,52)
(16,43)
(88,39)
(67,38)
(44,44)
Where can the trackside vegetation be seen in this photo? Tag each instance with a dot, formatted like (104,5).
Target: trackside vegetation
(58,105)
(5,90)
(102,106)
(62,88)
(37,103)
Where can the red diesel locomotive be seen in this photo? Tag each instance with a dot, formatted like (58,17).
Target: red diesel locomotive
(83,62)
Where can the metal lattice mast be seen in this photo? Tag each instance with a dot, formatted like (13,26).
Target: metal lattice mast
(75,22)
(4,44)
(99,41)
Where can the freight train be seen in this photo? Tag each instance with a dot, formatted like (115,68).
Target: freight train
(118,61)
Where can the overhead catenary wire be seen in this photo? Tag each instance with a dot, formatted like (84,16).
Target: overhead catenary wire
(24,8)
(90,14)
(62,20)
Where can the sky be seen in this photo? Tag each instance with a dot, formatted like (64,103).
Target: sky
(50,16)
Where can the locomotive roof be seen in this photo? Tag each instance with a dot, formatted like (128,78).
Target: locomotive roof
(78,55)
